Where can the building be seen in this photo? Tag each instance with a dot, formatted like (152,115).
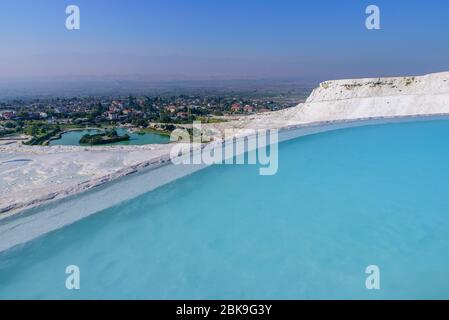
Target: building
(182,115)
(249,109)
(171,109)
(236,107)
(7,115)
(111,116)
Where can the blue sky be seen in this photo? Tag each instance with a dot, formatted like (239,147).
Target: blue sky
(307,39)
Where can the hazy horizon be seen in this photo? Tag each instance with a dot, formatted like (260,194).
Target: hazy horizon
(308,41)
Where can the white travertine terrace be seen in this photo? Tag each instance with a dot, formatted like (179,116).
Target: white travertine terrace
(31,176)
(375,98)
(343,100)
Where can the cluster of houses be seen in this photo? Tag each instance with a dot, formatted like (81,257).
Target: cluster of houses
(117,111)
(180,111)
(238,108)
(165,109)
(7,114)
(12,115)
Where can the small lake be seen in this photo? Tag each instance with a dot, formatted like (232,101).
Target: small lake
(72,138)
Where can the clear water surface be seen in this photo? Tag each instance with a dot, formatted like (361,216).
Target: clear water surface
(72,138)
(341,201)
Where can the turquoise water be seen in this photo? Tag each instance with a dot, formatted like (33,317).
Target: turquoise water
(72,138)
(341,201)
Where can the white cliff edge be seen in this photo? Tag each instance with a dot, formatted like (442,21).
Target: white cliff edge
(377,98)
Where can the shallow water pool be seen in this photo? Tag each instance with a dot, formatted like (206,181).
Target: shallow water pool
(341,201)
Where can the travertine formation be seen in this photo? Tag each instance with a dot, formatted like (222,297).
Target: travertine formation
(34,175)
(375,98)
(343,100)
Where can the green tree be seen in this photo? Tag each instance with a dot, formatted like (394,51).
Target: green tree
(34,130)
